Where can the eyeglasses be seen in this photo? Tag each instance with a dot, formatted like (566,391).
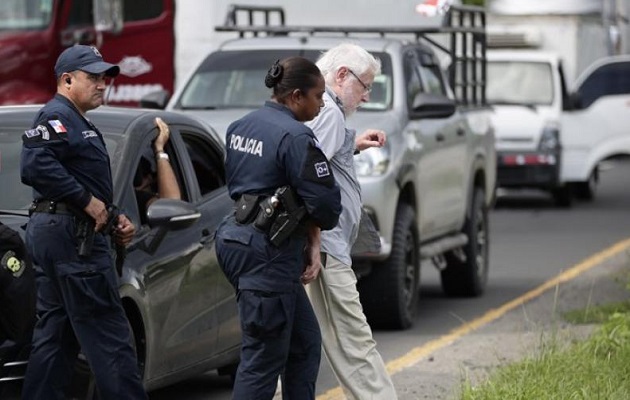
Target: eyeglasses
(367,88)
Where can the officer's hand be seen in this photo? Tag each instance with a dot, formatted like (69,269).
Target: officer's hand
(369,138)
(125,230)
(96,209)
(313,264)
(163,135)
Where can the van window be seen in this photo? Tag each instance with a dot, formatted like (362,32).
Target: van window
(607,80)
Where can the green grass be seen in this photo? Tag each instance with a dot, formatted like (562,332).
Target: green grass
(597,315)
(595,369)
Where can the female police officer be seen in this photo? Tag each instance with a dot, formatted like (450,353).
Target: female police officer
(270,149)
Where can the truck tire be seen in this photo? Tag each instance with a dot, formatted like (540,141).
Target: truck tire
(562,196)
(586,190)
(468,277)
(389,294)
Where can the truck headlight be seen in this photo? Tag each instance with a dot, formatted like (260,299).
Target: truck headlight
(550,138)
(372,162)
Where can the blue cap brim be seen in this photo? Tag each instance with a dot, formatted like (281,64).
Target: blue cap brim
(100,67)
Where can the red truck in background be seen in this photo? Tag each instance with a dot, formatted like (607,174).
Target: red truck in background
(137,35)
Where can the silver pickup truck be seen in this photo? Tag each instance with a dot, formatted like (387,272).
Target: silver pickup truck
(428,190)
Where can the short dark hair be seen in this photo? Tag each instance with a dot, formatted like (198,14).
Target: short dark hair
(292,73)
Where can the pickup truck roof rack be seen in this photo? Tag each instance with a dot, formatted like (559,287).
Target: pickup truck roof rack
(466,26)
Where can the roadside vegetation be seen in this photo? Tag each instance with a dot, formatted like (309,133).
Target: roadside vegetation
(595,369)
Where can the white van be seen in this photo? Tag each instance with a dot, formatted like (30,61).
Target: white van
(597,124)
(527,91)
(552,138)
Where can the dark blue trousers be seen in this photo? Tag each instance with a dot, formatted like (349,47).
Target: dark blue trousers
(78,307)
(280,332)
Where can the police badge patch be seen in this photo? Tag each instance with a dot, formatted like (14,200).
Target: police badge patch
(11,263)
(89,134)
(321,169)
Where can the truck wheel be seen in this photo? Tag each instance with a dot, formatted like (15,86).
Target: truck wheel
(562,196)
(468,277)
(389,294)
(586,190)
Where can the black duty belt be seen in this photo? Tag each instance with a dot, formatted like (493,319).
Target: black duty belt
(50,207)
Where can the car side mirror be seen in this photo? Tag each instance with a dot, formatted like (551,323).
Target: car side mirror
(156,100)
(171,214)
(428,105)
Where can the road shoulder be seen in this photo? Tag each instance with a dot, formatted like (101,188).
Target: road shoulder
(519,333)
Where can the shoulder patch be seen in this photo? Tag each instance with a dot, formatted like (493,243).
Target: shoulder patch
(43,133)
(57,126)
(11,263)
(89,134)
(316,167)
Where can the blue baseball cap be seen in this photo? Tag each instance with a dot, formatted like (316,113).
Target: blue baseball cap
(84,58)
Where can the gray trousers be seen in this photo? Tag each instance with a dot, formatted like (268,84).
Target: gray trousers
(346,336)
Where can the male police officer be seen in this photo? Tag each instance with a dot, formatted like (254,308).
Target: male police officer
(65,160)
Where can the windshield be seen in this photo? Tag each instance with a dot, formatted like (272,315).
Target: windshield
(512,82)
(15,195)
(25,14)
(235,79)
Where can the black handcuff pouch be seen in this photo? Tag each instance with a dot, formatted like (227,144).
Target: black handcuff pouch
(246,208)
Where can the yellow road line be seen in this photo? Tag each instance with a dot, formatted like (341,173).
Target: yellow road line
(416,354)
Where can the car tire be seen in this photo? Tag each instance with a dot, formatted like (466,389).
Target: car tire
(389,294)
(586,190)
(468,277)
(229,370)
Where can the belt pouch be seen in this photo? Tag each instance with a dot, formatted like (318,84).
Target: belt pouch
(246,208)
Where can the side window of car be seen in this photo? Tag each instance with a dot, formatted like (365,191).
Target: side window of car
(207,162)
(609,79)
(145,178)
(413,84)
(431,80)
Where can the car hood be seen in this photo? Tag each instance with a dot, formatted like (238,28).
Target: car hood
(520,127)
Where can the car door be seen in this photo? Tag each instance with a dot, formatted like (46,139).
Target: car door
(177,270)
(597,126)
(453,139)
(213,201)
(427,142)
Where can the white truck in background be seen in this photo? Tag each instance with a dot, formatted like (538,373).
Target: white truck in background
(551,135)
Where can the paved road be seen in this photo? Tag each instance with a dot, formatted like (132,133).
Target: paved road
(531,242)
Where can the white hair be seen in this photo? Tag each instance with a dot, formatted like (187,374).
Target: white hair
(347,55)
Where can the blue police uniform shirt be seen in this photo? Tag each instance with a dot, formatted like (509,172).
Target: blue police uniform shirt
(64,157)
(269,148)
